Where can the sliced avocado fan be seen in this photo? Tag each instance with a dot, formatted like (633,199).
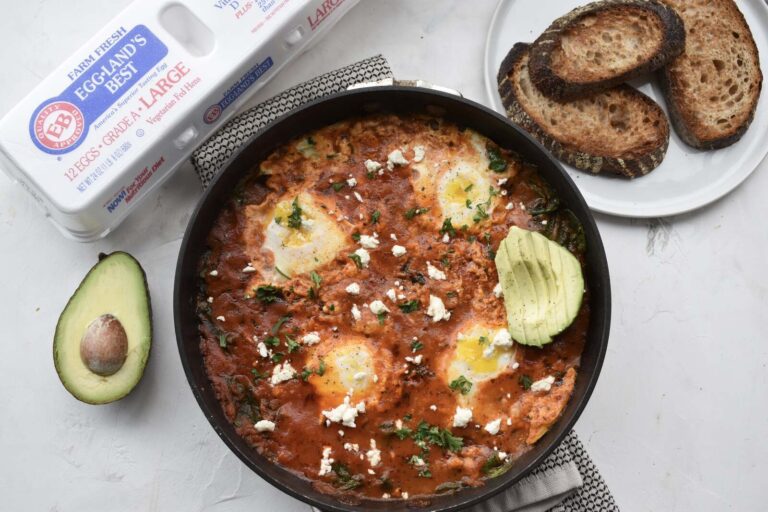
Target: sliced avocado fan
(542,283)
(104,334)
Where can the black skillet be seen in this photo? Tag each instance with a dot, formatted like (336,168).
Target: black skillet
(324,112)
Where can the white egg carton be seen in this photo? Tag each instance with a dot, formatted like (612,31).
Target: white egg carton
(120,115)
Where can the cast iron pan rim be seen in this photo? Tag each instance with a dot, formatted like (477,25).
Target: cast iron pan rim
(601,271)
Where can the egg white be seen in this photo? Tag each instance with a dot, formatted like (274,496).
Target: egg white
(300,250)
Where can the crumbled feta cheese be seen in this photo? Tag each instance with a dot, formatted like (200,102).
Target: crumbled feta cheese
(522,206)
(414,360)
(210,300)
(221,318)
(249,269)
(497,291)
(365,257)
(509,206)
(437,309)
(493,427)
(399,424)
(396,158)
(401,296)
(351,181)
(356,312)
(369,242)
(263,350)
(544,384)
(418,461)
(375,378)
(351,447)
(462,417)
(371,472)
(373,455)
(386,496)
(391,294)
(353,289)
(446,238)
(357,196)
(433,407)
(325,462)
(213,273)
(282,373)
(345,413)
(398,250)
(264,426)
(418,153)
(393,236)
(435,273)
(377,307)
(311,338)
(544,222)
(404,495)
(509,421)
(502,455)
(372,166)
(341,433)
(516,365)
(502,181)
(502,338)
(360,376)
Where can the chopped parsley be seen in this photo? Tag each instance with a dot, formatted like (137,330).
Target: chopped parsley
(382,316)
(448,227)
(277,269)
(314,292)
(416,345)
(411,213)
(432,434)
(268,293)
(223,340)
(469,204)
(345,481)
(525,381)
(403,433)
(277,357)
(482,340)
(469,187)
(338,186)
(321,368)
(481,214)
(496,162)
(257,374)
(292,345)
(356,258)
(307,372)
(294,219)
(410,306)
(461,384)
(272,341)
(375,217)
(279,323)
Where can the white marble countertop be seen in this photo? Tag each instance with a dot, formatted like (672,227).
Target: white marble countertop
(678,420)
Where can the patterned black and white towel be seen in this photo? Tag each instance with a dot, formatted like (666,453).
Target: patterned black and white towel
(567,480)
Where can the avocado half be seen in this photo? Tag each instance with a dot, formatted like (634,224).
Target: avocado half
(104,335)
(543,286)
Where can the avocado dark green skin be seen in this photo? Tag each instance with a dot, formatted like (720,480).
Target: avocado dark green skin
(101,257)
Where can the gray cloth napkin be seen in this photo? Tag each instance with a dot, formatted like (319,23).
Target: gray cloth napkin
(567,480)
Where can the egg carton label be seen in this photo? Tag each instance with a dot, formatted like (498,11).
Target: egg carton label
(60,124)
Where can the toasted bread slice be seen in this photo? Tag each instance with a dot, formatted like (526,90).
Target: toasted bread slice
(600,45)
(621,130)
(712,89)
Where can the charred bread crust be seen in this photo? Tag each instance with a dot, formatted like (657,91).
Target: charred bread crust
(554,86)
(668,87)
(595,164)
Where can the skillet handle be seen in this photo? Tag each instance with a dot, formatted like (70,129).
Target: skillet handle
(408,83)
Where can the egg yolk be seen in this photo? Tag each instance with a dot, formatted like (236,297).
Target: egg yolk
(460,190)
(470,351)
(295,237)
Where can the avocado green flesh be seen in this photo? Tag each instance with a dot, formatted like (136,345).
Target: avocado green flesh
(542,283)
(116,285)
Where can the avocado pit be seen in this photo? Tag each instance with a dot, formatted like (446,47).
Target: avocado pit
(104,346)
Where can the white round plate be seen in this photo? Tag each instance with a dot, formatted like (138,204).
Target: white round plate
(687,178)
